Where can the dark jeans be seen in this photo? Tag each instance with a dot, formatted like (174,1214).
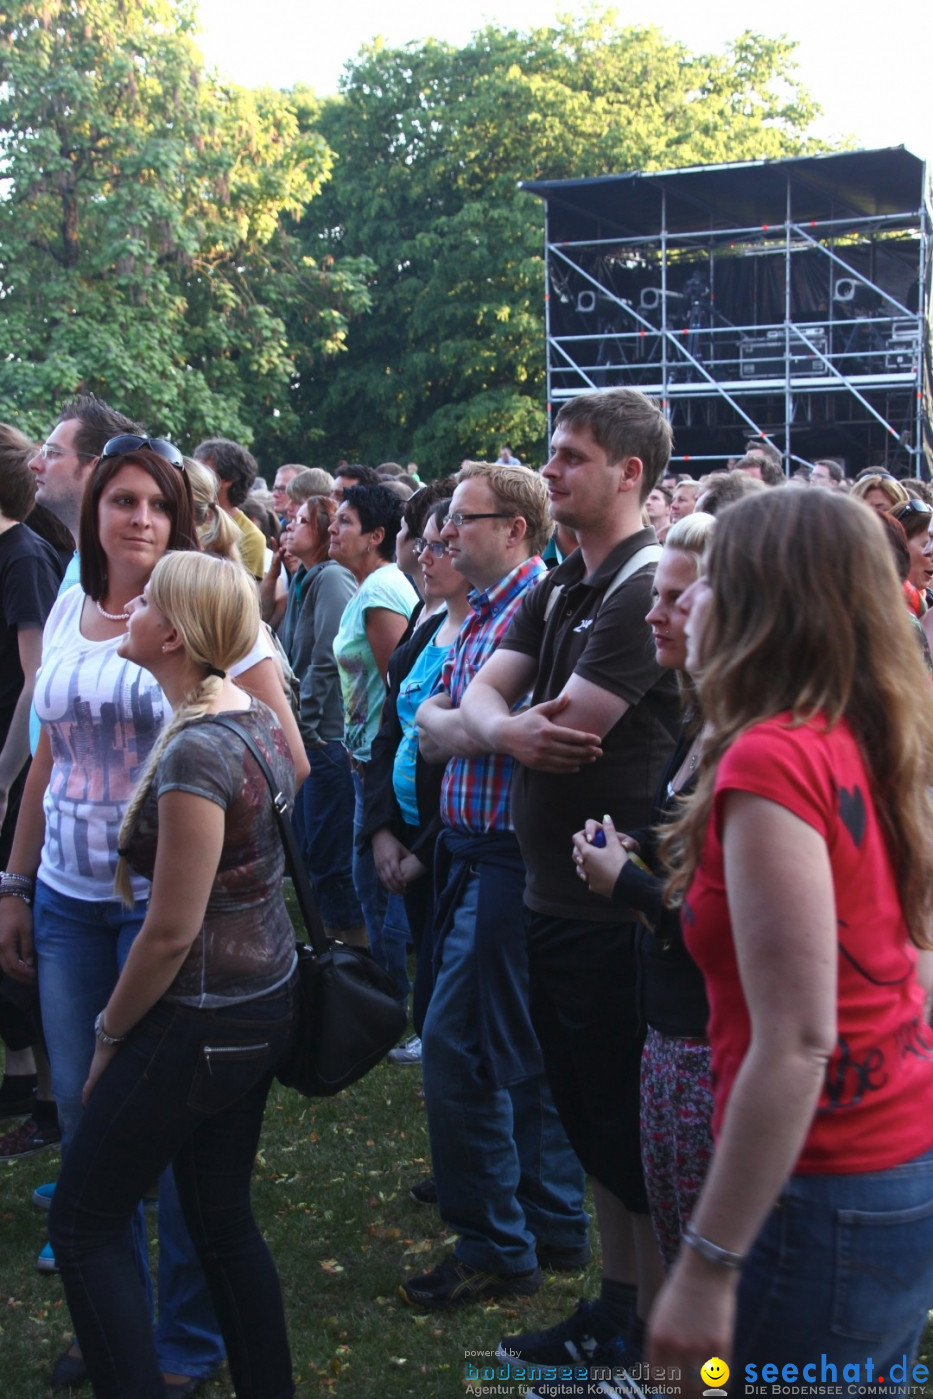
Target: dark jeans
(188,1087)
(323,821)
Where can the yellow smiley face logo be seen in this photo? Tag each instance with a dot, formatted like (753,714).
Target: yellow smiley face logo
(715,1372)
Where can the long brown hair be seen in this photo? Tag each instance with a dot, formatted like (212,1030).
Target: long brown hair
(171,480)
(807,618)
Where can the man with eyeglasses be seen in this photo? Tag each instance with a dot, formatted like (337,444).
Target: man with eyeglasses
(507,1181)
(64,462)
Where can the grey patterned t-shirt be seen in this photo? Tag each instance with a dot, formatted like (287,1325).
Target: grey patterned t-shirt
(246,946)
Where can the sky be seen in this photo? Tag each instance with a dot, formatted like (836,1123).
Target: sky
(868,67)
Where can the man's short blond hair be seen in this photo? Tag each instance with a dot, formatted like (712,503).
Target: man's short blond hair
(517,489)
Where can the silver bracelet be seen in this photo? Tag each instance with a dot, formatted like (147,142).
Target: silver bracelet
(16,894)
(102,1035)
(17,881)
(722,1257)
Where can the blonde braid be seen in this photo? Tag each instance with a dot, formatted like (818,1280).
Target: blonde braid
(194,706)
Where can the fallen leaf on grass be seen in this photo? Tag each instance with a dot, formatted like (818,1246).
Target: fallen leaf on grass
(330,1266)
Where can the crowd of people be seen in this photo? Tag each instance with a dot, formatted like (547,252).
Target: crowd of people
(622,776)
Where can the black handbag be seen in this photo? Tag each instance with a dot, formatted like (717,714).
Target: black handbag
(348,1018)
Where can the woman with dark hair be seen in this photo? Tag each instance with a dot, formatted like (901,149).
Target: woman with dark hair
(362,538)
(101,715)
(915,518)
(323,815)
(805,867)
(401,819)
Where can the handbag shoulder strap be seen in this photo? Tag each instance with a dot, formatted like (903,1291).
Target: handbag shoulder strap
(303,891)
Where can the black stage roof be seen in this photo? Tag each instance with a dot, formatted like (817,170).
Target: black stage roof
(851,184)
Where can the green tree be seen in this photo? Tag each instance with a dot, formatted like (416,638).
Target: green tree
(431,142)
(147,217)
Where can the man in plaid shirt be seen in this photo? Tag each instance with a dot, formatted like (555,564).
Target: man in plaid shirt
(507,1181)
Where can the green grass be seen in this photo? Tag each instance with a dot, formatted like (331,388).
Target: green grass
(331,1194)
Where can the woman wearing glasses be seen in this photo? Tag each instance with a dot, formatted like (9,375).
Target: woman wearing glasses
(401,818)
(101,715)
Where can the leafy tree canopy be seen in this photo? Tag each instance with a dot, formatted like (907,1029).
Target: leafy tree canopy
(147,216)
(431,142)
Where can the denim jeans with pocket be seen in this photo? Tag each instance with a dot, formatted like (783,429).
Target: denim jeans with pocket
(843,1268)
(506,1175)
(187,1086)
(81,947)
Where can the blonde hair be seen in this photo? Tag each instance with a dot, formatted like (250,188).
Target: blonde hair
(213,605)
(516,488)
(895,492)
(218,534)
(807,617)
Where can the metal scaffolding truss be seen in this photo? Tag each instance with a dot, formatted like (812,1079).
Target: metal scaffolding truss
(783,299)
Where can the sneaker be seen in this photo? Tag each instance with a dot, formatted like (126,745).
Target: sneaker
(28,1138)
(17,1095)
(563,1260)
(424,1192)
(69,1371)
(42,1196)
(407,1053)
(46,1260)
(586,1338)
(455,1284)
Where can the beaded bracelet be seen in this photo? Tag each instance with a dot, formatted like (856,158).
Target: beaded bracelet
(17,894)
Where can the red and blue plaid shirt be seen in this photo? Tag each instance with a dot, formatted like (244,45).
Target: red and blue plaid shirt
(475,791)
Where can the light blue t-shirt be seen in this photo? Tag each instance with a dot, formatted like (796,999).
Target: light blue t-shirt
(419,683)
(362,686)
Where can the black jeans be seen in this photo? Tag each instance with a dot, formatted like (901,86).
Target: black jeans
(188,1087)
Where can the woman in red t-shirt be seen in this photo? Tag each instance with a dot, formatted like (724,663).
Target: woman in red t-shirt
(805,866)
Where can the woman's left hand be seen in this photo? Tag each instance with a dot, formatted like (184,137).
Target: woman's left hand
(103,1054)
(693,1320)
(599,865)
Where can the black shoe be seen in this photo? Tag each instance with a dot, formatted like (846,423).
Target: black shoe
(424,1192)
(17,1095)
(563,1260)
(28,1138)
(455,1284)
(69,1371)
(588,1337)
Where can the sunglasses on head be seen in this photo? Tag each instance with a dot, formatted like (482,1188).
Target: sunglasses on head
(131,442)
(912,507)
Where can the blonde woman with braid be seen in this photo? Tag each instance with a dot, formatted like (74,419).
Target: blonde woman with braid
(188,1042)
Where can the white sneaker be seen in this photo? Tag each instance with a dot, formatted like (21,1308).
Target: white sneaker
(409,1053)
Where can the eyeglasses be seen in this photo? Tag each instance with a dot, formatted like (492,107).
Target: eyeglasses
(460,519)
(912,507)
(49,452)
(130,442)
(437,546)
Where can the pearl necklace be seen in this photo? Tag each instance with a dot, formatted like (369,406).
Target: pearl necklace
(112,616)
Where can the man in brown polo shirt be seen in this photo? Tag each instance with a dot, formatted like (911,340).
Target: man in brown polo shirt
(582,642)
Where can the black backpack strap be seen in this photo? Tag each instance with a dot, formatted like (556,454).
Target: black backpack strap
(303,891)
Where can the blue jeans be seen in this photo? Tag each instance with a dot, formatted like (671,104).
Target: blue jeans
(506,1175)
(81,947)
(323,820)
(188,1086)
(841,1269)
(370,892)
(391,947)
